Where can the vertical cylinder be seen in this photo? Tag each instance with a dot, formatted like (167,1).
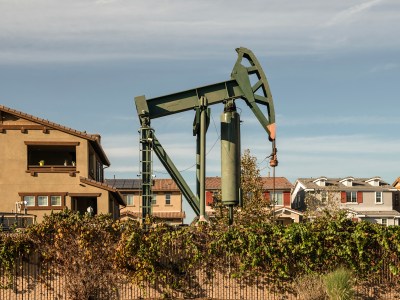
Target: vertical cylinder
(203,129)
(230,157)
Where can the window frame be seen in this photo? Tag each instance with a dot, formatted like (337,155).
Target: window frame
(26,202)
(46,168)
(39,198)
(49,205)
(154,199)
(132,196)
(51,200)
(277,193)
(324,196)
(380,198)
(353,197)
(168,199)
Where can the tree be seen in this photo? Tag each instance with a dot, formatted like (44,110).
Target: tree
(255,207)
(321,202)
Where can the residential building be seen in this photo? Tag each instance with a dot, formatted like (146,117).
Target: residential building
(47,167)
(278,186)
(166,199)
(369,199)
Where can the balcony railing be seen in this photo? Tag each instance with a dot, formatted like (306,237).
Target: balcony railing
(33,169)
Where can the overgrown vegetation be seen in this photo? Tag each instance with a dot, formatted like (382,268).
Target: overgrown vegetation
(85,248)
(94,253)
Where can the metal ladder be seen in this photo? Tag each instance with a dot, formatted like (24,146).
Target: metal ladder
(146,170)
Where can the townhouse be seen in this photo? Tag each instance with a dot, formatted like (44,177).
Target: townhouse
(166,200)
(276,191)
(370,199)
(47,167)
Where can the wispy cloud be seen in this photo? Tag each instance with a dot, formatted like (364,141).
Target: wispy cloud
(340,144)
(86,31)
(351,13)
(338,120)
(385,67)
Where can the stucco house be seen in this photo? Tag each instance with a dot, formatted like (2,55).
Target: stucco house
(369,199)
(166,201)
(282,187)
(48,167)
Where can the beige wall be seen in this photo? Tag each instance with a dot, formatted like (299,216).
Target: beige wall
(369,204)
(160,206)
(176,202)
(14,179)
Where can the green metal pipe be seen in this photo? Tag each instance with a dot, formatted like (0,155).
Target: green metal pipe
(203,130)
(230,155)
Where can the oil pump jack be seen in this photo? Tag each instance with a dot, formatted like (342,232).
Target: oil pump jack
(240,86)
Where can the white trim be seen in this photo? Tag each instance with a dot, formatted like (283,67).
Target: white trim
(372,180)
(348,181)
(284,209)
(379,203)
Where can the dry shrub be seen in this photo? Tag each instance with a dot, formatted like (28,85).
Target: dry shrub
(80,248)
(310,287)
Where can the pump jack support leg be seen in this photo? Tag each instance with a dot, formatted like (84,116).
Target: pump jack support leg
(203,129)
(146,140)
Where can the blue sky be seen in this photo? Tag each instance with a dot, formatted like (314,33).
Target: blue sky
(333,68)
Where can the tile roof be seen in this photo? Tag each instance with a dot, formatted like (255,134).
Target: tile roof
(165,185)
(104,186)
(214,183)
(357,184)
(280,183)
(93,138)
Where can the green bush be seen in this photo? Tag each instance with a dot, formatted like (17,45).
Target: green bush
(83,245)
(339,284)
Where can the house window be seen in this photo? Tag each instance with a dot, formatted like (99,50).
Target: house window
(384,222)
(29,200)
(351,197)
(277,197)
(154,199)
(129,200)
(57,154)
(55,200)
(99,171)
(396,199)
(96,171)
(40,201)
(324,196)
(43,200)
(167,199)
(378,197)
